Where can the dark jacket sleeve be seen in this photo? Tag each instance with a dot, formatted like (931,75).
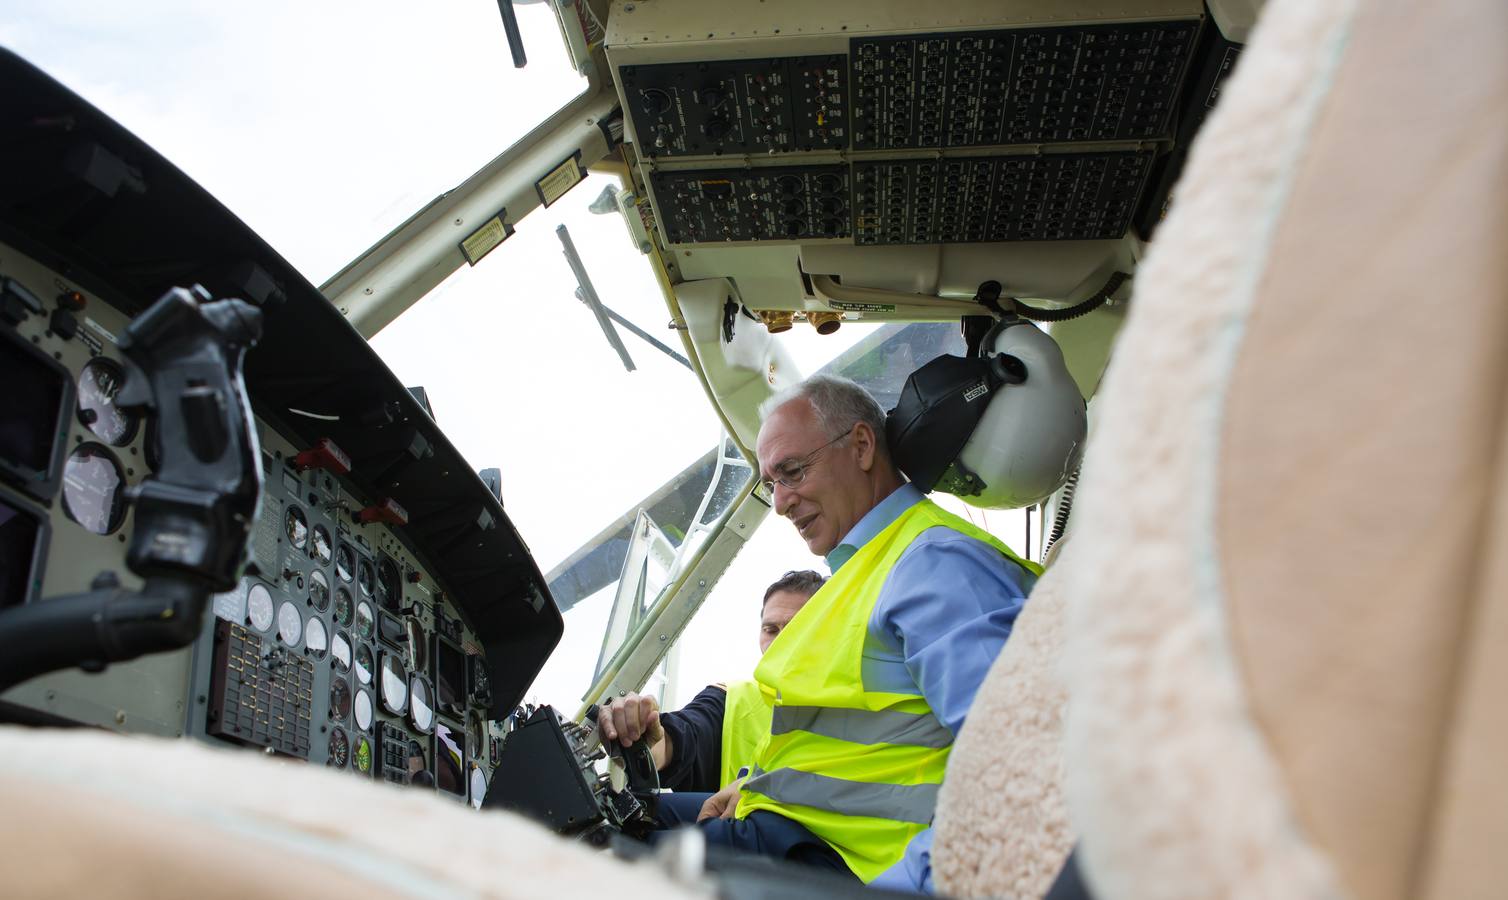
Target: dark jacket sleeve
(696,733)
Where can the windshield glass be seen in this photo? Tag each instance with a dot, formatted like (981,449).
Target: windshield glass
(522,378)
(321,125)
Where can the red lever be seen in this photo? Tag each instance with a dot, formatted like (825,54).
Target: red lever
(388,512)
(415,576)
(324,455)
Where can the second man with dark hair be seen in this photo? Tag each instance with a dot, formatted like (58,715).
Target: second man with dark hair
(702,746)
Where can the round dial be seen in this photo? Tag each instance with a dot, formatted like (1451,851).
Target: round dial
(421,710)
(418,645)
(343,607)
(345,563)
(364,621)
(390,583)
(100,381)
(296,527)
(320,547)
(364,665)
(290,624)
(340,748)
(259,608)
(364,578)
(361,709)
(319,590)
(340,698)
(478,787)
(393,682)
(361,757)
(316,638)
(94,489)
(474,742)
(340,651)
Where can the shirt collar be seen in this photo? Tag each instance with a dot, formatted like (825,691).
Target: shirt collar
(873,522)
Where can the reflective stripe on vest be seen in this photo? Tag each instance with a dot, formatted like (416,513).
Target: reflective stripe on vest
(901,802)
(858,768)
(863,726)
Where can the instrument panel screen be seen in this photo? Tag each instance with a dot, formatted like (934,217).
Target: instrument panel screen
(450,677)
(20,535)
(33,413)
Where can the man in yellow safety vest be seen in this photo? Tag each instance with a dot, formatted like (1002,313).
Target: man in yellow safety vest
(872,679)
(707,743)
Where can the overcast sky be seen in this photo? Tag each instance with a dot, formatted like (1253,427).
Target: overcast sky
(324,125)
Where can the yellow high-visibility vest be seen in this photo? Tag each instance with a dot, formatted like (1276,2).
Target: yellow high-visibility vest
(860,769)
(746,722)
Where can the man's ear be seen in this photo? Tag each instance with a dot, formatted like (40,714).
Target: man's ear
(864,444)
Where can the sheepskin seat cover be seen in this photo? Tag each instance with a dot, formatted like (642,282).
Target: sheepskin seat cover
(94,814)
(1285,644)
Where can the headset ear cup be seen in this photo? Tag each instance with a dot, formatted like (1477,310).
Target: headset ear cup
(1008,369)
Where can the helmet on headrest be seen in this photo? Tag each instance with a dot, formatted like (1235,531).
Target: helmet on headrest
(1001,430)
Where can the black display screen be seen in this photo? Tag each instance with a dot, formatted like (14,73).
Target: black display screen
(391,631)
(450,677)
(31,408)
(450,760)
(20,535)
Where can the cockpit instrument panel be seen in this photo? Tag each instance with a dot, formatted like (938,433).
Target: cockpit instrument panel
(324,649)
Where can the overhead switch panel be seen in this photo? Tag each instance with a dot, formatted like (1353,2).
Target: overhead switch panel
(1021,86)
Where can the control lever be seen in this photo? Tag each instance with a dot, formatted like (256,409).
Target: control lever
(193,515)
(631,799)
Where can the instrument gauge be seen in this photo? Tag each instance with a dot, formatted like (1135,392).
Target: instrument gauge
(478,787)
(421,710)
(340,748)
(389,583)
(364,578)
(319,590)
(321,547)
(361,709)
(475,736)
(363,664)
(316,638)
(393,684)
(94,489)
(99,382)
(361,757)
(365,621)
(340,652)
(259,607)
(340,699)
(418,645)
(290,624)
(343,607)
(345,563)
(296,526)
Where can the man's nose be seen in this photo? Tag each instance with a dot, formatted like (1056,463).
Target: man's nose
(784,500)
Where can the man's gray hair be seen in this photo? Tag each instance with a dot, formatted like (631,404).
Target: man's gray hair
(838,402)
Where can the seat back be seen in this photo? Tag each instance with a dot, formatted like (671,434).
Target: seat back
(1288,587)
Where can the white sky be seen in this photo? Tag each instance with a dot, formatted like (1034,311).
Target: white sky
(324,125)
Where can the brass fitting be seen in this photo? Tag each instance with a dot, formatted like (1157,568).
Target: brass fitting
(825,322)
(777,320)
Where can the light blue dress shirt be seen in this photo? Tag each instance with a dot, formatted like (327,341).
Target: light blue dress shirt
(942,617)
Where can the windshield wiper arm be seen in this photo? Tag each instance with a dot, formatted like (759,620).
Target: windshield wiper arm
(588,295)
(515,38)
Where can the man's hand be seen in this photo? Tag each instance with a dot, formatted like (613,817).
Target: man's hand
(722,804)
(629,718)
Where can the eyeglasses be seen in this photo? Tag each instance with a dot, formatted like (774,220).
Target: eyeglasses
(793,471)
